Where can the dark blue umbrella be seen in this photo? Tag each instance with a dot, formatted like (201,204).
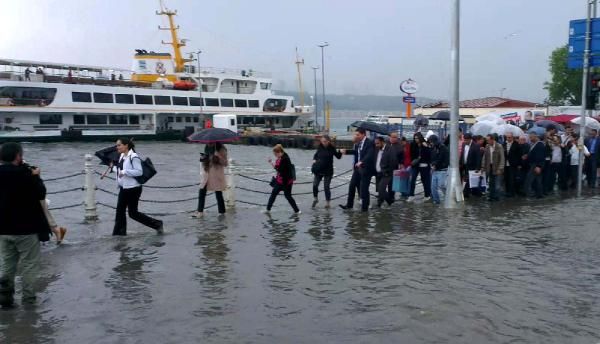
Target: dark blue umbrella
(108,155)
(550,125)
(213,135)
(539,131)
(372,127)
(421,121)
(442,115)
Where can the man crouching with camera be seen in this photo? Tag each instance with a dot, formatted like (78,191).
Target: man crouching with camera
(22,223)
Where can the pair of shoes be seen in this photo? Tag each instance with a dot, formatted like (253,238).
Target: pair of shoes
(62,232)
(345,207)
(426,199)
(160,229)
(298,212)
(198,215)
(314,203)
(410,199)
(327,205)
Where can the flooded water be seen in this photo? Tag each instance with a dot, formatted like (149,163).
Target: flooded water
(511,272)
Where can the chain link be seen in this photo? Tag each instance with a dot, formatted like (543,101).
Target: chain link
(64,191)
(64,177)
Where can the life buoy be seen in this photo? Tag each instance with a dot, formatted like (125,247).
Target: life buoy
(184,85)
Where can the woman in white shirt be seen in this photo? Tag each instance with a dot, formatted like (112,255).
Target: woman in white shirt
(129,167)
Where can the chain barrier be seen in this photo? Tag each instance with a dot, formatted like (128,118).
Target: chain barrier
(155,186)
(161,213)
(67,206)
(64,191)
(64,177)
(155,201)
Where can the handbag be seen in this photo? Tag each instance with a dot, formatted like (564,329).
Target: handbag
(273,182)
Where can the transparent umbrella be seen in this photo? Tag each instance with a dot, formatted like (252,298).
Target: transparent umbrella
(503,129)
(589,122)
(490,117)
(483,128)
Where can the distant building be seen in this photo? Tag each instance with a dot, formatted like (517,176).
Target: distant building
(510,109)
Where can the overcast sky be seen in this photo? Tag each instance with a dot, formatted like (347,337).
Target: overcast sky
(373,44)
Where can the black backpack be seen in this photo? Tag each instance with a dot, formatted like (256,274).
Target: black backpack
(148,170)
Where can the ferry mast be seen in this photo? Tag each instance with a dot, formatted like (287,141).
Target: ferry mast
(175,42)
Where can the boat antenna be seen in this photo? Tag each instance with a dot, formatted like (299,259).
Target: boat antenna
(299,64)
(176,43)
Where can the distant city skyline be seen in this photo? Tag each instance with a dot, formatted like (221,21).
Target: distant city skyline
(373,45)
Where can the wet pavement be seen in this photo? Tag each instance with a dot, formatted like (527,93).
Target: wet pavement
(516,271)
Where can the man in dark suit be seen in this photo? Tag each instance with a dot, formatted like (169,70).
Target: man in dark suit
(469,161)
(591,163)
(364,169)
(386,162)
(512,154)
(523,166)
(398,148)
(536,159)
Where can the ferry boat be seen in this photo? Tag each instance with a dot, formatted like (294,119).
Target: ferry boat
(163,96)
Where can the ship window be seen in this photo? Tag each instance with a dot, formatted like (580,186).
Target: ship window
(26,96)
(275,105)
(226,102)
(142,64)
(81,97)
(143,99)
(117,119)
(194,101)
(196,120)
(241,103)
(178,119)
(162,100)
(78,119)
(103,98)
(264,86)
(124,98)
(134,119)
(253,103)
(96,119)
(188,120)
(51,119)
(180,101)
(170,119)
(211,101)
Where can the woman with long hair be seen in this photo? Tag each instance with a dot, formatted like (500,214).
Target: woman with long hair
(284,179)
(130,190)
(420,165)
(212,178)
(322,168)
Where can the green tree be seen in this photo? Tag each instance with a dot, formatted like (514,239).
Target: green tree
(565,87)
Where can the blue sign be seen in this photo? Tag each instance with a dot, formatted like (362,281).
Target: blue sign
(577,43)
(409,100)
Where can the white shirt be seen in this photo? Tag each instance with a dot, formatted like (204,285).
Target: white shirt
(556,154)
(508,145)
(466,153)
(360,146)
(130,170)
(379,155)
(575,154)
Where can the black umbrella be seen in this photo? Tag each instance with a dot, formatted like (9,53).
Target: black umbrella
(372,127)
(549,125)
(443,115)
(421,121)
(213,135)
(108,155)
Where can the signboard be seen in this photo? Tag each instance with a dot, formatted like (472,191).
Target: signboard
(411,100)
(409,86)
(577,43)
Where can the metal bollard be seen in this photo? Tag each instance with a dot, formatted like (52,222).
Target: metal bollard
(230,190)
(90,191)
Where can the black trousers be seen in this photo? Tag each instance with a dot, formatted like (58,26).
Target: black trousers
(384,189)
(202,198)
(425,180)
(591,164)
(361,179)
(510,180)
(534,182)
(128,201)
(326,186)
(287,192)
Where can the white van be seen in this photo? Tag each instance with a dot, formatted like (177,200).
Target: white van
(226,121)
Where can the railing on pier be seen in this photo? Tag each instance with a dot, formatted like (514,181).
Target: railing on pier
(92,184)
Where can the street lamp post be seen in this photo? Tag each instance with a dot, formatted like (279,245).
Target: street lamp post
(315,101)
(454,192)
(322,46)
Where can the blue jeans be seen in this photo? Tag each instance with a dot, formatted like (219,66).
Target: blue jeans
(438,181)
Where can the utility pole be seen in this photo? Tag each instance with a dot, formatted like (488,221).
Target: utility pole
(454,192)
(199,79)
(322,46)
(584,90)
(316,102)
(299,63)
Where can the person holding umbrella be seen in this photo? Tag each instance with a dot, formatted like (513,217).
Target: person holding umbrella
(129,166)
(213,161)
(284,179)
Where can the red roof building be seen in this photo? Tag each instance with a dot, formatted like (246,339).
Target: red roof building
(489,102)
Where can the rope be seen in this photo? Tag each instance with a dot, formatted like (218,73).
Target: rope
(298,183)
(64,191)
(156,186)
(157,201)
(160,214)
(67,206)
(251,203)
(64,177)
